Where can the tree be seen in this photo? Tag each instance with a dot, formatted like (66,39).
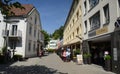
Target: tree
(58,33)
(6,5)
(46,37)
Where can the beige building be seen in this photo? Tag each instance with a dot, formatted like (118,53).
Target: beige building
(73,27)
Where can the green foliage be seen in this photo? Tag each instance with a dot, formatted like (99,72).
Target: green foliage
(86,55)
(46,37)
(6,5)
(58,33)
(4,49)
(77,51)
(51,50)
(107,57)
(17,57)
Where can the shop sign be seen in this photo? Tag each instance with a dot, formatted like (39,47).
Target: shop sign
(102,30)
(115,54)
(79,59)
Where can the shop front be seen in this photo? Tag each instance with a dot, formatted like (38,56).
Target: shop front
(99,46)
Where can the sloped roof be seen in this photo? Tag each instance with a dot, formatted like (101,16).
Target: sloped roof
(21,12)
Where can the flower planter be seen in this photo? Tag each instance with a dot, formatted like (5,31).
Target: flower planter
(85,61)
(89,60)
(107,62)
(107,65)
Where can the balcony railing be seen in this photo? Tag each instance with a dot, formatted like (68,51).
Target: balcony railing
(11,33)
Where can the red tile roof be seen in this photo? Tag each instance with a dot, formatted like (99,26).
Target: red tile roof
(19,12)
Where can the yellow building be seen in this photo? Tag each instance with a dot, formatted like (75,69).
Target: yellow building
(72,36)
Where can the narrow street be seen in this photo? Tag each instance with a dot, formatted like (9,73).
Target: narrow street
(50,64)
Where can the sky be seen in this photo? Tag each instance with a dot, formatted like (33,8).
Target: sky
(53,13)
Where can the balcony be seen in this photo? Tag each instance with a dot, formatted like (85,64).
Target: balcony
(12,35)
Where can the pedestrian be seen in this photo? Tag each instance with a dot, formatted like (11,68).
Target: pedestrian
(64,55)
(68,55)
(40,53)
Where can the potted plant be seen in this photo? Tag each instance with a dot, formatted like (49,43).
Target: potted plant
(87,58)
(76,52)
(107,59)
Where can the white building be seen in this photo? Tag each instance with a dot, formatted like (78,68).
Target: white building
(24,29)
(53,44)
(100,32)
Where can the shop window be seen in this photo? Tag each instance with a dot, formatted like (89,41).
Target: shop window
(93,3)
(85,31)
(106,14)
(95,21)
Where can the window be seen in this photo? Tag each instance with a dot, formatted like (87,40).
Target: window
(93,3)
(29,45)
(30,30)
(34,46)
(38,35)
(85,7)
(12,44)
(95,21)
(73,21)
(73,34)
(85,27)
(77,15)
(119,2)
(14,30)
(78,30)
(35,33)
(106,13)
(35,19)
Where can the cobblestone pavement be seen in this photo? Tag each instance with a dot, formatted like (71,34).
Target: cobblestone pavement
(50,64)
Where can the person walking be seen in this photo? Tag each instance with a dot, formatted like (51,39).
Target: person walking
(64,55)
(68,55)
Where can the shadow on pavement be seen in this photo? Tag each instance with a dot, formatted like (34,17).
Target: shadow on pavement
(34,69)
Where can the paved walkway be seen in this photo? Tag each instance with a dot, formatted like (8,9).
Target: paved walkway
(50,64)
